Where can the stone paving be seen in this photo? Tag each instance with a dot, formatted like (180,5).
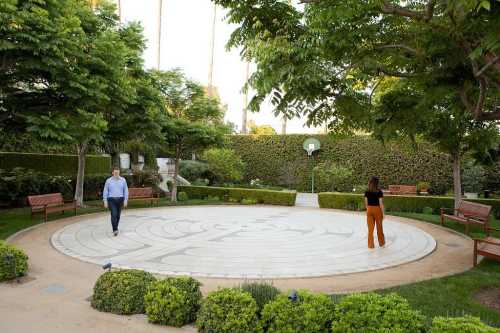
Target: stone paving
(258,242)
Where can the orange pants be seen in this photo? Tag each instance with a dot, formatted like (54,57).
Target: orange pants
(374,217)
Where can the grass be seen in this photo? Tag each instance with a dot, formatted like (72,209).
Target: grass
(14,220)
(453,296)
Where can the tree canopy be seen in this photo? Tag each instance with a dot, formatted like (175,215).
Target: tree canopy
(325,61)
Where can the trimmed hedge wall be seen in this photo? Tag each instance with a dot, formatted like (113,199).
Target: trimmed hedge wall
(398,203)
(280,160)
(284,198)
(55,164)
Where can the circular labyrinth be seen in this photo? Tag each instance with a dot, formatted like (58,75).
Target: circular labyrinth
(241,242)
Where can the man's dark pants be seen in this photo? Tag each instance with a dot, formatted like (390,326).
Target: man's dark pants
(115,206)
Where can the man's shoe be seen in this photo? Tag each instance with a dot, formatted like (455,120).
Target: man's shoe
(115,233)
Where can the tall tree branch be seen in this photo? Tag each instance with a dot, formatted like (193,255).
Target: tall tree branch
(389,8)
(488,65)
(397,46)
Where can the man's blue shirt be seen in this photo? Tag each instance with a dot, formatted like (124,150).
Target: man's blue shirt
(115,187)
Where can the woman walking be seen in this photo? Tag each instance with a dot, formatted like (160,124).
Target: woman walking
(115,195)
(374,212)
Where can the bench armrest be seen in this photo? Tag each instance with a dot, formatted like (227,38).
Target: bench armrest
(479,240)
(454,210)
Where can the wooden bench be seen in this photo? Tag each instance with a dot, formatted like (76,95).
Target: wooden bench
(402,189)
(49,203)
(143,194)
(488,247)
(469,213)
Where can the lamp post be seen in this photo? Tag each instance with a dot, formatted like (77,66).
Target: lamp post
(310,146)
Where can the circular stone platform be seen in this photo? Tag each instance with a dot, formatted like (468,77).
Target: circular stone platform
(241,242)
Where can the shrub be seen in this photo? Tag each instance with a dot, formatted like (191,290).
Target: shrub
(427,210)
(193,170)
(173,301)
(398,203)
(310,313)
(248,201)
(224,165)
(360,188)
(211,198)
(182,196)
(465,324)
(121,292)
(280,160)
(284,198)
(333,177)
(228,311)
(473,178)
(200,182)
(376,313)
(261,292)
(13,262)
(423,186)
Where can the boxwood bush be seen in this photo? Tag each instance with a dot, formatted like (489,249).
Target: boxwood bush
(465,324)
(262,292)
(376,313)
(285,198)
(173,301)
(398,203)
(228,310)
(310,313)
(122,291)
(13,262)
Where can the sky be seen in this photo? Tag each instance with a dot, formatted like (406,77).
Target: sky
(186,34)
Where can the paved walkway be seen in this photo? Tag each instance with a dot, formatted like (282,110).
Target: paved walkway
(263,242)
(52,298)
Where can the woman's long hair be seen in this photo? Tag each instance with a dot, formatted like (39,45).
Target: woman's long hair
(373,185)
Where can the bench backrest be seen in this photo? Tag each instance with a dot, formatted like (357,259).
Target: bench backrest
(474,209)
(410,189)
(140,192)
(52,199)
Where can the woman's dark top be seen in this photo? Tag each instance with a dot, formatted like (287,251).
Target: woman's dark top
(374,197)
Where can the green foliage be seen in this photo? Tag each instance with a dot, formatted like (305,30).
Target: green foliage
(473,178)
(262,129)
(13,262)
(399,203)
(284,198)
(228,311)
(248,201)
(224,165)
(182,196)
(17,184)
(55,164)
(262,292)
(422,186)
(465,324)
(280,160)
(122,291)
(332,177)
(173,301)
(375,313)
(427,210)
(311,313)
(193,170)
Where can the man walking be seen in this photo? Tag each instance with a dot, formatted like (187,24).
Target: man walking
(115,195)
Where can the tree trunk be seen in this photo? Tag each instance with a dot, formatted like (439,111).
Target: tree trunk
(457,184)
(176,172)
(81,149)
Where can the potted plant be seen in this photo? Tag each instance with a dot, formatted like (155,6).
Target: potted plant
(473,178)
(423,187)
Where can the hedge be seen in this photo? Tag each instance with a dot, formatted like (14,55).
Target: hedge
(284,198)
(280,160)
(398,203)
(55,164)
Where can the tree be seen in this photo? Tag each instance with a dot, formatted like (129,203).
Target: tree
(261,129)
(70,73)
(324,61)
(408,109)
(194,120)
